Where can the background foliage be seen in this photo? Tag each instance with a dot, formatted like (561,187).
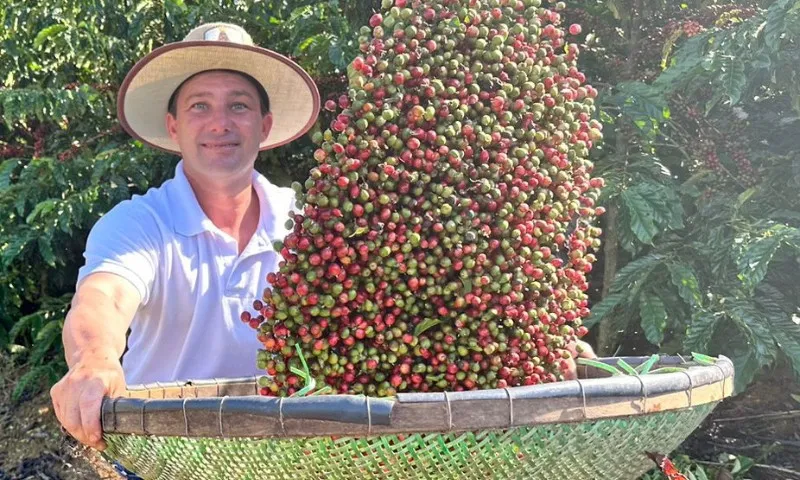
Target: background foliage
(702,242)
(700,100)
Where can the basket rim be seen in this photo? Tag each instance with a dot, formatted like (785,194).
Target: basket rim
(232,407)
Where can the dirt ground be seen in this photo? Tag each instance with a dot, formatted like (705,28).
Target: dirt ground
(33,447)
(763,424)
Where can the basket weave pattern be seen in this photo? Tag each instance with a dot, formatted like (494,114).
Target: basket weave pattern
(610,448)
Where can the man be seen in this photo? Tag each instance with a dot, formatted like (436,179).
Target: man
(179,264)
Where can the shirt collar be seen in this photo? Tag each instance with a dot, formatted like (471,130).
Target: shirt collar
(275,205)
(190,219)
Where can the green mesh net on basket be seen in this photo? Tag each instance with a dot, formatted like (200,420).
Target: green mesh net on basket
(610,449)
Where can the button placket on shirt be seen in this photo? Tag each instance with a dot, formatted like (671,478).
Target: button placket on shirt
(259,245)
(228,249)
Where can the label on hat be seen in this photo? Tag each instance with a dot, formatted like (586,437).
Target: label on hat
(223,34)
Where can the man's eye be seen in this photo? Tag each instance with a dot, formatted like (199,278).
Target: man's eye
(199,106)
(240,106)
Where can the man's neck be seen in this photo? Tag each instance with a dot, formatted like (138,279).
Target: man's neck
(231,205)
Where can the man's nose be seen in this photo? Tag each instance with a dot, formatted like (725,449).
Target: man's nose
(220,120)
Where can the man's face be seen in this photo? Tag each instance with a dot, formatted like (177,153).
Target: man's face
(218,123)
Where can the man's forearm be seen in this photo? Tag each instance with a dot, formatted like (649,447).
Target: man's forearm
(95,327)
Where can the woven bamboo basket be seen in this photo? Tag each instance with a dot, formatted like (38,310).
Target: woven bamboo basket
(596,427)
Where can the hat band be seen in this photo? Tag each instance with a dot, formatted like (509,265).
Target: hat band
(222,34)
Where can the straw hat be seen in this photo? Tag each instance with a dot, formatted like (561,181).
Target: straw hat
(143,97)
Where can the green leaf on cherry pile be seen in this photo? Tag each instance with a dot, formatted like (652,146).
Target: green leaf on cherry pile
(308,380)
(425,325)
(359,231)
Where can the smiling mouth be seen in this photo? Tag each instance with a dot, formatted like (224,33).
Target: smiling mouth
(220,146)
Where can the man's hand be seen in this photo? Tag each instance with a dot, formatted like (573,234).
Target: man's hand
(577,349)
(78,396)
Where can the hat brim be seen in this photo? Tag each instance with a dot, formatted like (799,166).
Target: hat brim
(143,97)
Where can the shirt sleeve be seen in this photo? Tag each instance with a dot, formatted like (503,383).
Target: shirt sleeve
(126,241)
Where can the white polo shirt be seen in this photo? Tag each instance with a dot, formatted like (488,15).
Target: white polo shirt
(192,281)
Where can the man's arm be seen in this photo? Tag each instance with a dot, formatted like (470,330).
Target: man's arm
(94,340)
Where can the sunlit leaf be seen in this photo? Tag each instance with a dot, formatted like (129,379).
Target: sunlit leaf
(46,33)
(684,277)
(754,263)
(654,317)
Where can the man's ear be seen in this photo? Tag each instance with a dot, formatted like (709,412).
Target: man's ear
(172,126)
(266,126)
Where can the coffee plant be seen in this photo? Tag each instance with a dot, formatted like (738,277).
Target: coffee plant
(702,241)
